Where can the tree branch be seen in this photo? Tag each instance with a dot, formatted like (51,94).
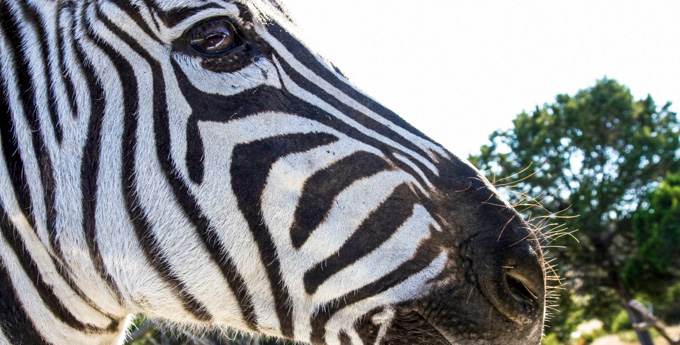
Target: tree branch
(652,322)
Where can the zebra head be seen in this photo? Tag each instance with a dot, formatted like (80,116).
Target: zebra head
(194,161)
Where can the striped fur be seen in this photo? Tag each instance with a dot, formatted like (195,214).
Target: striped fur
(269,197)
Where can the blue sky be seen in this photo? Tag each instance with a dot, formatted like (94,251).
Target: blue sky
(458,70)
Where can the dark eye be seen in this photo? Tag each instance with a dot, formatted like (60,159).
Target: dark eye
(213,36)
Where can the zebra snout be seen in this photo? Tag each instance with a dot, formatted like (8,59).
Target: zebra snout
(502,250)
(512,279)
(494,295)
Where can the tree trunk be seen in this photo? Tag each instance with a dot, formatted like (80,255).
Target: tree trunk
(635,317)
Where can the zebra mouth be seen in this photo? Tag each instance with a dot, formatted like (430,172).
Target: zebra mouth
(410,327)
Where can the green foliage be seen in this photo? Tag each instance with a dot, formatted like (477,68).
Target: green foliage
(592,159)
(629,337)
(667,304)
(592,156)
(551,339)
(621,322)
(565,319)
(656,264)
(590,337)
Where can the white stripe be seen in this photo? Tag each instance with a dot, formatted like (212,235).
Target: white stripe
(257,73)
(413,166)
(384,320)
(3,339)
(329,66)
(170,34)
(232,228)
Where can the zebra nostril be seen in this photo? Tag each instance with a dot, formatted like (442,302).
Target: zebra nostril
(512,279)
(521,291)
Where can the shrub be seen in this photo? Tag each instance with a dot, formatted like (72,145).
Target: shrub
(621,322)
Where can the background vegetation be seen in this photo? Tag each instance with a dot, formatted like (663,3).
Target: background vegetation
(598,174)
(602,170)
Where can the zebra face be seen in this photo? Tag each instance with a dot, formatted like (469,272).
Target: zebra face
(194,161)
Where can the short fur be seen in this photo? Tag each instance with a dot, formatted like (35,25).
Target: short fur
(253,188)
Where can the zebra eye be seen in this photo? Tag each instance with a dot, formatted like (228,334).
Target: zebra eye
(213,36)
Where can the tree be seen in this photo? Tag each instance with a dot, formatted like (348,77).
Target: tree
(656,264)
(592,158)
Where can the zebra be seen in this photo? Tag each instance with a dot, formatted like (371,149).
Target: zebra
(195,162)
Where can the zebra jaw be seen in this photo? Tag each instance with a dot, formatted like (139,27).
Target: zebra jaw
(195,162)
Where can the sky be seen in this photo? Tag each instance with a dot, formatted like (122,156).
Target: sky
(458,70)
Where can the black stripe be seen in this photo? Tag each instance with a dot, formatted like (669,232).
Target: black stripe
(306,57)
(13,239)
(249,170)
(25,88)
(12,155)
(344,338)
(218,108)
(218,253)
(132,10)
(89,171)
(14,321)
(425,255)
(61,58)
(324,186)
(380,225)
(33,18)
(154,17)
(368,331)
(141,225)
(63,272)
(279,7)
(409,170)
(178,15)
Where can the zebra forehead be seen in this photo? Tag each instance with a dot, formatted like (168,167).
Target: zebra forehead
(264,8)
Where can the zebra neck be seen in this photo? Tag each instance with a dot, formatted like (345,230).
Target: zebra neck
(39,301)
